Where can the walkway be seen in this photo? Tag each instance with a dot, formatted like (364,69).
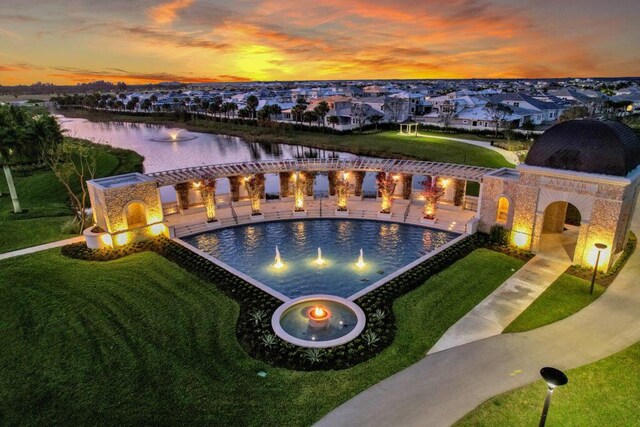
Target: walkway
(509,155)
(499,309)
(442,387)
(39,248)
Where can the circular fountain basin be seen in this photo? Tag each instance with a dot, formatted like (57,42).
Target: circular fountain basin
(294,323)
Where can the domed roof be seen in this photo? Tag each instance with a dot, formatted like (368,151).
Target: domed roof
(592,146)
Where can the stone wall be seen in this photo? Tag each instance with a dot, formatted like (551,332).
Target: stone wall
(112,202)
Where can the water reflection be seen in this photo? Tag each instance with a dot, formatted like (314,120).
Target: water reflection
(204,149)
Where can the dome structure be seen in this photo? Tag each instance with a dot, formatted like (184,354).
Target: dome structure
(591,146)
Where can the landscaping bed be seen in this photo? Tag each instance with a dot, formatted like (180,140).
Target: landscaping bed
(254,329)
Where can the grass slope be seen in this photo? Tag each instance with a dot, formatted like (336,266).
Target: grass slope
(566,296)
(604,393)
(141,341)
(45,200)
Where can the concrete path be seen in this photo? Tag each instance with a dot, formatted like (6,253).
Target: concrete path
(442,387)
(39,248)
(509,155)
(503,305)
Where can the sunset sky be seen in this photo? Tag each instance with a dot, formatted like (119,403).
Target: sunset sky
(139,41)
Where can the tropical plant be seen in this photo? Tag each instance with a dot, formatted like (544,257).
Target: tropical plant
(386,186)
(258,316)
(313,355)
(207,189)
(252,105)
(254,184)
(378,315)
(269,340)
(322,109)
(371,338)
(432,193)
(333,121)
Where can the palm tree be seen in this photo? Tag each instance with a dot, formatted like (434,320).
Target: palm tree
(321,110)
(276,110)
(252,105)
(310,116)
(333,120)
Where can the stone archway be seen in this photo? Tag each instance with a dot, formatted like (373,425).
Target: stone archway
(560,229)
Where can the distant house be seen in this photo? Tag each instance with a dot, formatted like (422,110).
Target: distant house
(548,112)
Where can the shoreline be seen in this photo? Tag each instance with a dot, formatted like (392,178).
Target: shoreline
(381,144)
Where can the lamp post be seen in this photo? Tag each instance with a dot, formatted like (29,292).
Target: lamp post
(600,247)
(554,378)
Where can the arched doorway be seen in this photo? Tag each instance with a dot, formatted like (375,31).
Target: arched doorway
(560,229)
(136,214)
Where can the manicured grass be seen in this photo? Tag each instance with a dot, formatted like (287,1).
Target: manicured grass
(142,341)
(383,144)
(565,296)
(45,201)
(604,393)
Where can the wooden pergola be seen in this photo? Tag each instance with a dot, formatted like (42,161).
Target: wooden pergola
(464,172)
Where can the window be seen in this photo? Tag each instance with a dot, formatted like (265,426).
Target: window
(136,215)
(503,210)
(474,123)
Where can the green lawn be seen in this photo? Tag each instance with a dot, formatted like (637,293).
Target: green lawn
(383,144)
(604,393)
(141,341)
(565,296)
(45,201)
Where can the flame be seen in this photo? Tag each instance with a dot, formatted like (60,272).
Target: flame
(318,311)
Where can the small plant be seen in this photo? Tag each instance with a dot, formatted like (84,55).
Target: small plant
(371,338)
(257,316)
(313,355)
(269,340)
(498,235)
(378,315)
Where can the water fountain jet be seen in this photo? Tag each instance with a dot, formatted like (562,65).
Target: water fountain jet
(319,260)
(278,262)
(360,262)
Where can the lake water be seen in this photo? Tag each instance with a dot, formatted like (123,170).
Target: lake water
(200,149)
(160,154)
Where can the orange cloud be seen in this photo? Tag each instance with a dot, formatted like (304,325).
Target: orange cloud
(116,75)
(166,13)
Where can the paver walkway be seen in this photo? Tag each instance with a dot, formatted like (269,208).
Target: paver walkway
(507,302)
(509,155)
(442,387)
(39,248)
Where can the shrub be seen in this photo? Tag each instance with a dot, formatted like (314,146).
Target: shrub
(498,235)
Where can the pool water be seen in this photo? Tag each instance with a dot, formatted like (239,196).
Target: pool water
(386,246)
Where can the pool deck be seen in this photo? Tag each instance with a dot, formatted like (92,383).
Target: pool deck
(194,220)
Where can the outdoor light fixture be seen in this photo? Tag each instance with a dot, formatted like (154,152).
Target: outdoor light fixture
(600,247)
(554,378)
